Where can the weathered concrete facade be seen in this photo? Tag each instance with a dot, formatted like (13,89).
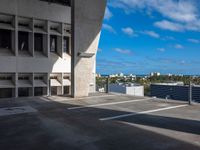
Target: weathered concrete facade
(87,19)
(34,36)
(34,17)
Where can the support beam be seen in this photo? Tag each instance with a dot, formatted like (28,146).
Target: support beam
(87,17)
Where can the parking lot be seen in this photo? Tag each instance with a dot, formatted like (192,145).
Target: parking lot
(98,122)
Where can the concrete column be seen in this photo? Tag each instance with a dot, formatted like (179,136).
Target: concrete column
(16,36)
(16,85)
(87,19)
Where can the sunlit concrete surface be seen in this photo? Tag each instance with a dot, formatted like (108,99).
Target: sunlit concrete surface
(79,123)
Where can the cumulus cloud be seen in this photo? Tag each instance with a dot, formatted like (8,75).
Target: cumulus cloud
(108,14)
(152,34)
(128,30)
(168,25)
(180,15)
(108,28)
(123,51)
(161,49)
(194,41)
(179,46)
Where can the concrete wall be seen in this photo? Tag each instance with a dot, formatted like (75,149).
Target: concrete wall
(37,9)
(33,11)
(133,90)
(87,19)
(136,90)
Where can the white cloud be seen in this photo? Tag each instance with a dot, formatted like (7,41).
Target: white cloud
(183,14)
(108,14)
(161,49)
(152,34)
(129,31)
(179,46)
(123,51)
(194,41)
(108,28)
(167,25)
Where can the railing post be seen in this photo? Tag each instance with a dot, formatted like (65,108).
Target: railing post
(190,94)
(107,85)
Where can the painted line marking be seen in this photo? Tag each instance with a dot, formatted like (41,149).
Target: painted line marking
(74,99)
(107,104)
(142,112)
(93,97)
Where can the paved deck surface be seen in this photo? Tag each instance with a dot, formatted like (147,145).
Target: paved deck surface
(99,122)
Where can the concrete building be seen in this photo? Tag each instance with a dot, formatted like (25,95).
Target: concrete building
(130,89)
(48,47)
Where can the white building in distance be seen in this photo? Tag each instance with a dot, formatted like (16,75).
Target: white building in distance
(129,89)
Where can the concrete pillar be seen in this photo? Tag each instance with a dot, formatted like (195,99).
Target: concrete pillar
(87,17)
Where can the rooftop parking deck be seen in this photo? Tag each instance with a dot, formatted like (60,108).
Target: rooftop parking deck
(101,121)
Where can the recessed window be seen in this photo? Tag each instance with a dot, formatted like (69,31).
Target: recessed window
(54,77)
(38,78)
(53,43)
(66,77)
(23,38)
(23,78)
(38,42)
(66,45)
(5,39)
(61,2)
(5,78)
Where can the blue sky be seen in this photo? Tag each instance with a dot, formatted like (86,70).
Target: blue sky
(142,36)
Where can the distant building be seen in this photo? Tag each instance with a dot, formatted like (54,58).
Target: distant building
(169,75)
(130,89)
(98,75)
(154,74)
(121,75)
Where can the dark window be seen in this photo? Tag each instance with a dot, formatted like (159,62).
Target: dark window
(54,77)
(38,91)
(23,78)
(54,90)
(5,39)
(66,77)
(23,92)
(66,45)
(61,2)
(38,42)
(5,78)
(23,41)
(66,89)
(53,43)
(6,93)
(54,29)
(38,26)
(24,25)
(38,78)
(6,22)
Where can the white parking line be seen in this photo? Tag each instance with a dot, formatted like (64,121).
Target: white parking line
(93,97)
(107,104)
(142,112)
